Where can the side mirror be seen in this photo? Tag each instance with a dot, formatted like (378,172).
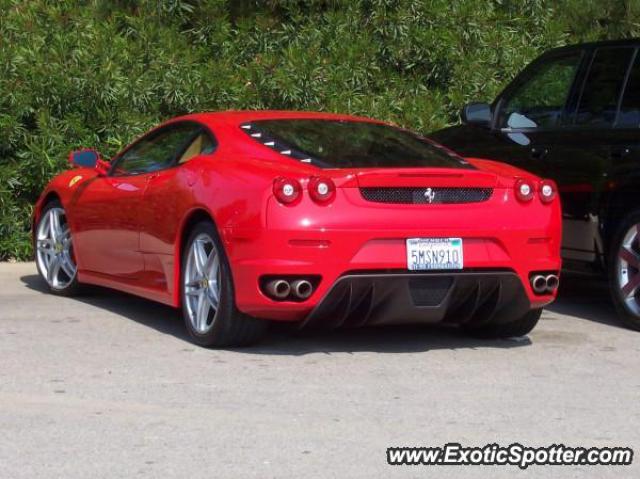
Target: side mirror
(84,158)
(89,159)
(478,114)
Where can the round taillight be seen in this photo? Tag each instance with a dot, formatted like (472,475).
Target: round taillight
(524,190)
(321,190)
(286,190)
(548,191)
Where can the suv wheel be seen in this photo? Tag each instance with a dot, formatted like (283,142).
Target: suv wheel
(624,270)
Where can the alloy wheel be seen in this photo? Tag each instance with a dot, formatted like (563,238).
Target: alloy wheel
(202,283)
(628,270)
(54,249)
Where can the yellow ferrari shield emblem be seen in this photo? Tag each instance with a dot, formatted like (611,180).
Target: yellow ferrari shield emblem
(74,180)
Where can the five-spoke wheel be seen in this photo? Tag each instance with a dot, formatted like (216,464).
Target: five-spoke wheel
(624,270)
(208,300)
(54,249)
(628,269)
(202,283)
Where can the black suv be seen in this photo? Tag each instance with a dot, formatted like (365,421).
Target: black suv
(573,115)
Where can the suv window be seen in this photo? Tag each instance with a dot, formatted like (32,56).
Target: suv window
(599,101)
(156,151)
(540,101)
(629,116)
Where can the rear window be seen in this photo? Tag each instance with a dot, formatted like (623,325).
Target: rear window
(350,144)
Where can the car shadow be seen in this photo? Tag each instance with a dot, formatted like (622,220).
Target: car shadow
(380,339)
(158,316)
(587,298)
(284,339)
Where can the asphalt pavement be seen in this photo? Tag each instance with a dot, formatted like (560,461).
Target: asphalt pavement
(108,385)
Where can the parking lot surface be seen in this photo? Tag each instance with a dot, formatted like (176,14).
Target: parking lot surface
(108,385)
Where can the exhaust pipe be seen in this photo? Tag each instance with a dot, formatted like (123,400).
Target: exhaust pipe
(302,288)
(552,282)
(539,284)
(278,288)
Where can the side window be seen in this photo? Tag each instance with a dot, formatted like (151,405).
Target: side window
(540,101)
(629,116)
(156,151)
(599,101)
(201,144)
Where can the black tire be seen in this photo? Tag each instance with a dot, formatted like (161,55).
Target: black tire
(626,315)
(74,287)
(230,327)
(519,327)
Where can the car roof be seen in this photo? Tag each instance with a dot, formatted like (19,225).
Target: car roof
(629,42)
(236,117)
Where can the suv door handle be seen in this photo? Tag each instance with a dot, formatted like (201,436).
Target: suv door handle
(620,153)
(538,153)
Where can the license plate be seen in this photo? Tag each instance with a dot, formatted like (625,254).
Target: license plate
(434,253)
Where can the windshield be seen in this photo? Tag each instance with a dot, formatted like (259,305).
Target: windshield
(350,144)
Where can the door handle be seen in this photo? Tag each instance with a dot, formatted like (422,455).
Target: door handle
(620,153)
(538,153)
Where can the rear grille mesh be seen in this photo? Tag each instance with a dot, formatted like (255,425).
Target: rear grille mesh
(409,195)
(429,291)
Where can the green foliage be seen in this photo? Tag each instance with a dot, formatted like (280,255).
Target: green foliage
(98,73)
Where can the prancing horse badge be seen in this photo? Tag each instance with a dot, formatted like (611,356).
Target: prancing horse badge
(429,195)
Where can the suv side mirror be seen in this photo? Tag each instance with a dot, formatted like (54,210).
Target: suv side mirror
(478,114)
(88,159)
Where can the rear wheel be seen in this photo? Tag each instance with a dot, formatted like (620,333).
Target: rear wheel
(208,300)
(55,258)
(624,270)
(519,327)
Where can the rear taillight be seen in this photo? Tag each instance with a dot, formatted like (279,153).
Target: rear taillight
(287,191)
(321,190)
(547,191)
(525,190)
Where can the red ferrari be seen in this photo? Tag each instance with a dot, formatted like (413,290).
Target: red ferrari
(334,220)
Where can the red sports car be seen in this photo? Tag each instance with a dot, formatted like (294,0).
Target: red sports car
(243,217)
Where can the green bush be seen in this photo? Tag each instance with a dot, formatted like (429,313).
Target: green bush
(99,73)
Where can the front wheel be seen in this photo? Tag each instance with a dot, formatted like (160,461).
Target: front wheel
(53,244)
(624,270)
(208,302)
(519,327)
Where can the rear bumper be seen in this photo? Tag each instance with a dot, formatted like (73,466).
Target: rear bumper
(335,255)
(499,235)
(388,298)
